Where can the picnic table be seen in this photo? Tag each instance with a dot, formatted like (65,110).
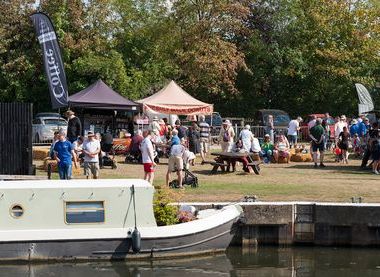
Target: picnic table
(224,161)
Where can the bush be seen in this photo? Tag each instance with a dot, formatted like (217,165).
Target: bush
(164,213)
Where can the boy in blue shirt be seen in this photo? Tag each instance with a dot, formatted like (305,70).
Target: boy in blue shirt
(63,153)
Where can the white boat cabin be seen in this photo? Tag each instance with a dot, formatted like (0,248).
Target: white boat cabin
(72,209)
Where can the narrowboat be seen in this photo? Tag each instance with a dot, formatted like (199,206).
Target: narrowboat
(100,219)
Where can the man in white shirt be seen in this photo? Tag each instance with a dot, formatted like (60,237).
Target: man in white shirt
(91,149)
(293,128)
(146,148)
(175,161)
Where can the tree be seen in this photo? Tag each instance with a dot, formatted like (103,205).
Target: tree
(207,55)
(20,72)
(312,53)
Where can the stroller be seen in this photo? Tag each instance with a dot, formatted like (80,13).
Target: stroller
(188,177)
(107,148)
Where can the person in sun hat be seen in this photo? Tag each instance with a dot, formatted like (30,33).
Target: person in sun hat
(354,128)
(339,127)
(91,150)
(155,126)
(226,136)
(74,126)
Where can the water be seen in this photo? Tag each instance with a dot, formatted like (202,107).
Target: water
(261,262)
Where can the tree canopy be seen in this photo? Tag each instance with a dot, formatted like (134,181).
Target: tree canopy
(302,56)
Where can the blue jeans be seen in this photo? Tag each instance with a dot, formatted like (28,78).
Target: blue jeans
(292,140)
(65,171)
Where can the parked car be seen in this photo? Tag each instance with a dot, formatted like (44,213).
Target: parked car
(280,117)
(45,124)
(215,120)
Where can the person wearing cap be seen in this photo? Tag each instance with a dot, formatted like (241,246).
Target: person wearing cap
(317,134)
(226,136)
(155,126)
(246,138)
(293,128)
(175,163)
(147,153)
(91,150)
(267,148)
(64,154)
(74,126)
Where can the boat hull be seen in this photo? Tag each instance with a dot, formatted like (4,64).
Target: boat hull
(209,241)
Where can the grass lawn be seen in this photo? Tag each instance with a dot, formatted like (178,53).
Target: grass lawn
(277,182)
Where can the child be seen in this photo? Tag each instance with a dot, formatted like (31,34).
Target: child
(338,154)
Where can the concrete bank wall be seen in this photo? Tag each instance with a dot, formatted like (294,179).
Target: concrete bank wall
(287,223)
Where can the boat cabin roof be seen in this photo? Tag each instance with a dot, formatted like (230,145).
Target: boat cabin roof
(73,183)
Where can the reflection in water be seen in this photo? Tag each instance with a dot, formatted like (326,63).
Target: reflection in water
(261,262)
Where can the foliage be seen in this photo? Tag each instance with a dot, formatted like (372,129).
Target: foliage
(303,56)
(164,213)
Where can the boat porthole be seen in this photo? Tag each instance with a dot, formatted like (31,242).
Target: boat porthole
(17,211)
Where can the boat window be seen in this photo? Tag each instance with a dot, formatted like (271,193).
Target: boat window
(85,212)
(17,211)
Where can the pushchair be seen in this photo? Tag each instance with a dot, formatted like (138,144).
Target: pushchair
(189,178)
(106,146)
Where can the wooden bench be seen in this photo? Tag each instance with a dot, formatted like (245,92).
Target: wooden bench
(255,165)
(217,165)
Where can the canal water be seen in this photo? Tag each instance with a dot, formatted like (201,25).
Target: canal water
(260,262)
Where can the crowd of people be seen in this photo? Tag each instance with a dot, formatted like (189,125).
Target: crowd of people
(182,144)
(342,136)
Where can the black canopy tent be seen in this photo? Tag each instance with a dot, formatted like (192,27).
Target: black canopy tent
(100,106)
(101,96)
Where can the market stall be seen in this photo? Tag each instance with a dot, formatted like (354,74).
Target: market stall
(172,99)
(101,110)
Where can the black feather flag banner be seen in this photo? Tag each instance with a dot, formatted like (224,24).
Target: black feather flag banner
(53,63)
